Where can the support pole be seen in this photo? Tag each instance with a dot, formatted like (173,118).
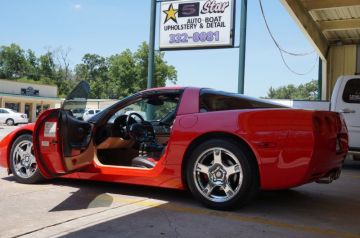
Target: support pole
(242,50)
(151,44)
(151,56)
(320,76)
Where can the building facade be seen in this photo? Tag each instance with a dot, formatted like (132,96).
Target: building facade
(28,98)
(32,99)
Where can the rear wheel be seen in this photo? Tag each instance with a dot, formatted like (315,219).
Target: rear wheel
(10,122)
(356,157)
(222,174)
(22,161)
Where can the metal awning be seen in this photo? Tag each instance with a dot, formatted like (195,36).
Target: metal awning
(327,22)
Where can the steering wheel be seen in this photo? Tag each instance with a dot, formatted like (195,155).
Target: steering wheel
(132,128)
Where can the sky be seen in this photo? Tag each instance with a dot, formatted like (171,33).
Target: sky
(111,26)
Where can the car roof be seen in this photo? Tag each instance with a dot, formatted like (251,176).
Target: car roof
(165,88)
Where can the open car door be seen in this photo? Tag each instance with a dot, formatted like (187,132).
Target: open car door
(62,141)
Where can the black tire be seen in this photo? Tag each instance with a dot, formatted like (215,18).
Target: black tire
(356,157)
(245,190)
(34,176)
(10,122)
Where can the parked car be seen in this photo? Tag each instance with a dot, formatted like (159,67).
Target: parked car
(90,113)
(11,117)
(221,146)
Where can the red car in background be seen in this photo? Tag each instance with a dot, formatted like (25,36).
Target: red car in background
(221,146)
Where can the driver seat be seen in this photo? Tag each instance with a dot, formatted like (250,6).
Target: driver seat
(149,154)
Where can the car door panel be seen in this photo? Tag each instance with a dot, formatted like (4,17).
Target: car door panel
(79,132)
(59,147)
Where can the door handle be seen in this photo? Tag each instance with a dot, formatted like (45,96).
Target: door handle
(348,110)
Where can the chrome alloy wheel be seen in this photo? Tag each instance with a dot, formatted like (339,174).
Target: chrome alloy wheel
(218,174)
(24,159)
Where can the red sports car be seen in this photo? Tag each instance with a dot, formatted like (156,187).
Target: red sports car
(221,146)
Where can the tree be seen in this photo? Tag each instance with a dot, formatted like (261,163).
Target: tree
(122,74)
(308,91)
(94,70)
(32,66)
(13,63)
(47,65)
(114,77)
(162,72)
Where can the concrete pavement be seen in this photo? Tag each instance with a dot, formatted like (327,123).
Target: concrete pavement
(73,208)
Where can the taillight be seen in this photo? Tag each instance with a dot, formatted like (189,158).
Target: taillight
(338,145)
(343,127)
(342,143)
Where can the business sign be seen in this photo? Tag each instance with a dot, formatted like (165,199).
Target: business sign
(29,91)
(196,24)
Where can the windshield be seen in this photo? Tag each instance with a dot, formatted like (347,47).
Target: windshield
(153,106)
(151,109)
(76,101)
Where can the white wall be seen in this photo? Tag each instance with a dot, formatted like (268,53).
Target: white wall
(13,87)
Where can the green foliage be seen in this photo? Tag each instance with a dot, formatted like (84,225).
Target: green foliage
(307,91)
(114,77)
(13,62)
(122,74)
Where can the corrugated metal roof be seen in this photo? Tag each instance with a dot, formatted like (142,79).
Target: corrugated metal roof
(345,36)
(329,15)
(340,13)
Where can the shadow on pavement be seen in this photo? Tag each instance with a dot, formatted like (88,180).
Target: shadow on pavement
(281,211)
(327,206)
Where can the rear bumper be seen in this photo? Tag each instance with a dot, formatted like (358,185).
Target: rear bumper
(22,120)
(329,154)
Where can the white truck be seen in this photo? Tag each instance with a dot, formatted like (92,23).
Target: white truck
(346,100)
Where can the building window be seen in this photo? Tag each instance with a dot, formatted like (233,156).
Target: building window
(46,107)
(13,106)
(38,108)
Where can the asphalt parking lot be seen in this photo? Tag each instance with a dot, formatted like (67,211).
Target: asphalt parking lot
(4,130)
(72,208)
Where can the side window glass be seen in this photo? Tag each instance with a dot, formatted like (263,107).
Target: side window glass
(352,91)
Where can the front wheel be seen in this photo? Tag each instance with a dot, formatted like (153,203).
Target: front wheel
(22,161)
(222,174)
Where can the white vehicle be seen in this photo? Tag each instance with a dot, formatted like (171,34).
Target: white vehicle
(90,113)
(346,100)
(11,117)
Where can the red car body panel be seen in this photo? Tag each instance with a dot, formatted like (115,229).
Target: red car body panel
(291,147)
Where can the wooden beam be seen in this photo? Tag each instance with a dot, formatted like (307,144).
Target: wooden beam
(324,4)
(338,25)
(307,25)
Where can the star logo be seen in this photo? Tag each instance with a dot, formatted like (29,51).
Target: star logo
(170,14)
